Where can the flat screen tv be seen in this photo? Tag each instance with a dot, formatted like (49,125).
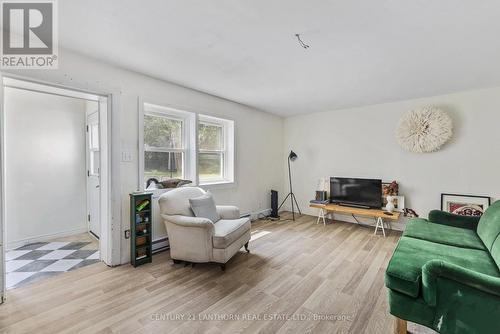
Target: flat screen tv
(365,193)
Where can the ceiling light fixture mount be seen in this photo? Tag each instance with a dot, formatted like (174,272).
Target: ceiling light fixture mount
(301,42)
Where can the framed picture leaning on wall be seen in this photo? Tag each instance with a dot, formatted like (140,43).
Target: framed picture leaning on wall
(465,205)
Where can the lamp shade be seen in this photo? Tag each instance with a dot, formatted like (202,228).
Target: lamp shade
(292,156)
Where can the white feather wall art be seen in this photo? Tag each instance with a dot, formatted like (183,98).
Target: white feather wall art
(424,130)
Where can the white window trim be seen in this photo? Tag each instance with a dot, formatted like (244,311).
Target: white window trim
(228,149)
(188,133)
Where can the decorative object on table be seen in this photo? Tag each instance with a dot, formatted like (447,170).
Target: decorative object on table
(153,183)
(389,189)
(465,205)
(322,190)
(424,130)
(407,212)
(321,195)
(141,213)
(291,157)
(399,203)
(389,207)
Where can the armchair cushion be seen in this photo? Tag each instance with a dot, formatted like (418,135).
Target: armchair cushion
(226,231)
(228,211)
(443,234)
(404,272)
(204,207)
(187,221)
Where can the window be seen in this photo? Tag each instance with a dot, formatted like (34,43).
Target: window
(172,148)
(166,143)
(215,150)
(93,138)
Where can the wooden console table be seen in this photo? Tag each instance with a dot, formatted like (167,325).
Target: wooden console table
(378,215)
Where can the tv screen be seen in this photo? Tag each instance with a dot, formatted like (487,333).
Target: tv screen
(356,192)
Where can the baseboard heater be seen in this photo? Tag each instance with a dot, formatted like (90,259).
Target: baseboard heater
(160,245)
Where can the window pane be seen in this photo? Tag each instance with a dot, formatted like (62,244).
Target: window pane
(162,165)
(94,162)
(162,132)
(210,166)
(210,137)
(94,136)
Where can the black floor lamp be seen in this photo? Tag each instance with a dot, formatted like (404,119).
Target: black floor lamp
(291,157)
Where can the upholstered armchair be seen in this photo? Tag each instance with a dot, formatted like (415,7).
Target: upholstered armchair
(196,239)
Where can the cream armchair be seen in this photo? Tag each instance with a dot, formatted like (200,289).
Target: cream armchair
(195,239)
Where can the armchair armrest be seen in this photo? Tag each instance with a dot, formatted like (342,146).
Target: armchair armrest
(189,221)
(228,211)
(450,219)
(435,269)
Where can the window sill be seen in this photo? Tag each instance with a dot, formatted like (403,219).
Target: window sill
(218,185)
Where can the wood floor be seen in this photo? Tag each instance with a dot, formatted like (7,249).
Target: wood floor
(296,272)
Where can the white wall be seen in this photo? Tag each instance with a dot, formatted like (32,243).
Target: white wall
(360,142)
(45,166)
(258,135)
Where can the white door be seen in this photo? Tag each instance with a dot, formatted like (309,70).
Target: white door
(93,171)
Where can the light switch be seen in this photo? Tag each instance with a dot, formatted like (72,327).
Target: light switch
(126,156)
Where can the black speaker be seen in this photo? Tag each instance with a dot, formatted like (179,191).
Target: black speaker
(274,204)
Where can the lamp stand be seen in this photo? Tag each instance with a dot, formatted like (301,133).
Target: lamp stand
(290,194)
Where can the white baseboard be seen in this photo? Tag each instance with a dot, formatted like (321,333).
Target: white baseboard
(257,214)
(44,237)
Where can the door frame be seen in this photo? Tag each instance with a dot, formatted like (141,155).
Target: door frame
(109,104)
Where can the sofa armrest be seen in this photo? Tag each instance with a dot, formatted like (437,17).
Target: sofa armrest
(450,219)
(435,269)
(228,212)
(189,221)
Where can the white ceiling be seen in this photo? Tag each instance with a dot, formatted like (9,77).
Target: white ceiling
(361,52)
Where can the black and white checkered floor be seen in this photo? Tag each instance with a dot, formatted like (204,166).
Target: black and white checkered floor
(39,260)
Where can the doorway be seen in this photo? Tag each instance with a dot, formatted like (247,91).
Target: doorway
(53,167)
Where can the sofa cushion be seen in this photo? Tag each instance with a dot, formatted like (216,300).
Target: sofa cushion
(489,225)
(443,234)
(226,231)
(404,271)
(204,207)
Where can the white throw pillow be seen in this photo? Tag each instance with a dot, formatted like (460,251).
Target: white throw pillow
(204,206)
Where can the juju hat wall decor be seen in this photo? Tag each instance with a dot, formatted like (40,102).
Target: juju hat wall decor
(424,130)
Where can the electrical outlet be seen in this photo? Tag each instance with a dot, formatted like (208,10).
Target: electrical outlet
(127,234)
(126,156)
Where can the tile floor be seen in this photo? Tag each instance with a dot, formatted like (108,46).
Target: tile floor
(40,260)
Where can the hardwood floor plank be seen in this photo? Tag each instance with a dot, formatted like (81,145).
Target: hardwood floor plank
(300,277)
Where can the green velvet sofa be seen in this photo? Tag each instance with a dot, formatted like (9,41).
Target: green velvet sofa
(445,273)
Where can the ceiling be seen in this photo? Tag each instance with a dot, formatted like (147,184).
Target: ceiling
(361,52)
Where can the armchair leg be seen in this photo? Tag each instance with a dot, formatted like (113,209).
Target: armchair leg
(400,326)
(223,267)
(246,248)
(176,261)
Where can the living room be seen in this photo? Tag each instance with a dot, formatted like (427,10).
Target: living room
(201,105)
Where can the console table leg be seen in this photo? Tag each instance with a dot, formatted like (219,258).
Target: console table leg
(380,223)
(321,215)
